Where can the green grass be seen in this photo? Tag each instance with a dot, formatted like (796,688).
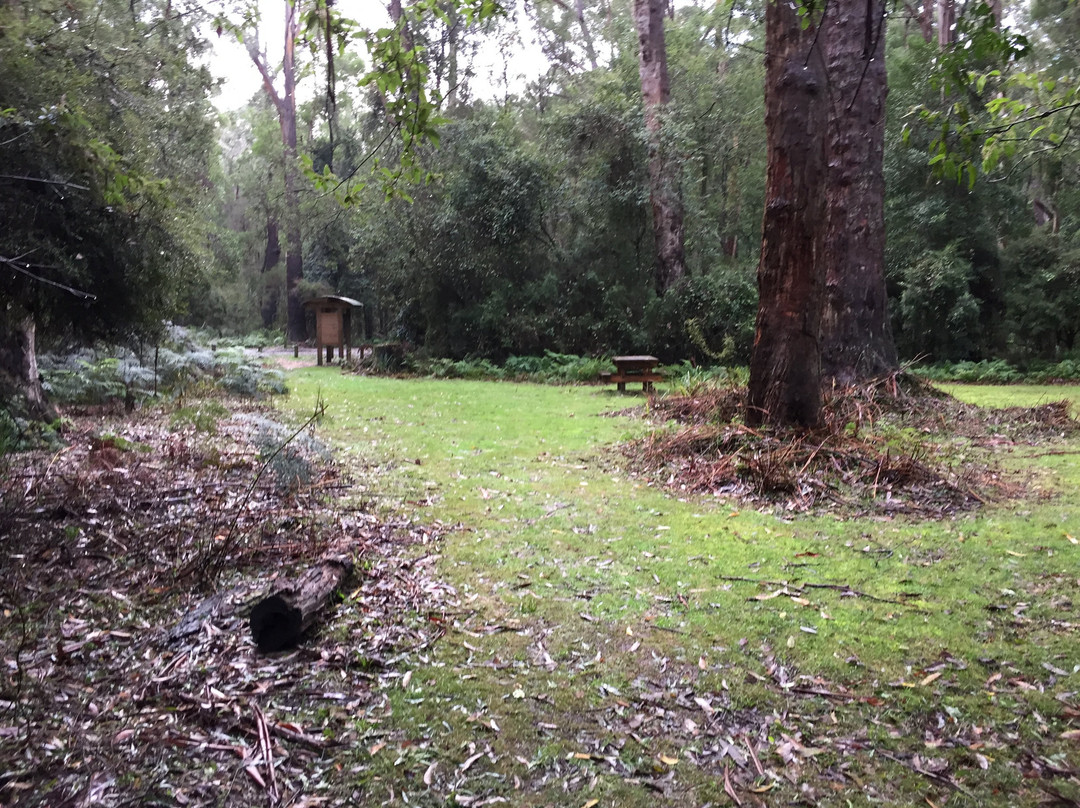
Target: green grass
(1016,395)
(589,588)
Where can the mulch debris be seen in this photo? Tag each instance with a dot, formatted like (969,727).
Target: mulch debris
(884,449)
(131,557)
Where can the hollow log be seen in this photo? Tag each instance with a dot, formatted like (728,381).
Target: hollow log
(281,618)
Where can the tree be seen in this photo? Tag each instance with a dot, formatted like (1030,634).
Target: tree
(856,337)
(105,135)
(285,104)
(664,195)
(785,366)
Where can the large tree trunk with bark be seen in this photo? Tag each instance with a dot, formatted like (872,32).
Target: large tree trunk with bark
(664,193)
(21,393)
(946,19)
(285,105)
(856,336)
(785,366)
(294,243)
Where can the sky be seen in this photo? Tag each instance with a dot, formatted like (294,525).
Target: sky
(230,61)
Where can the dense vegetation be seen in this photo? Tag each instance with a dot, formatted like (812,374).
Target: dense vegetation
(529,230)
(539,209)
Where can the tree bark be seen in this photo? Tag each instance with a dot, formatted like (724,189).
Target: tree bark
(785,366)
(856,335)
(285,105)
(281,618)
(923,14)
(664,193)
(586,35)
(21,392)
(946,19)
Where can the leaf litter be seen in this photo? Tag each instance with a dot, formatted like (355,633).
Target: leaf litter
(130,677)
(131,557)
(880,450)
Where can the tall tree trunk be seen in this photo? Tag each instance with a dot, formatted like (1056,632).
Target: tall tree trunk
(664,194)
(785,366)
(21,393)
(586,35)
(294,243)
(453,35)
(271,258)
(946,18)
(923,13)
(856,336)
(285,104)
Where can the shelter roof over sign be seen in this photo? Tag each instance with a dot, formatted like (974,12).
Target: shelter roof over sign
(332,300)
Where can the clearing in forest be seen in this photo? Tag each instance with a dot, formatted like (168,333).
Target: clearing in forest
(542,613)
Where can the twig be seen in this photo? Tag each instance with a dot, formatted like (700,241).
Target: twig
(807,585)
(231,537)
(937,778)
(666,628)
(267,753)
(13,263)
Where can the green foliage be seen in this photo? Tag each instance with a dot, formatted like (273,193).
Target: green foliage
(291,458)
(110,373)
(690,380)
(937,303)
(999,371)
(106,137)
(550,368)
(202,417)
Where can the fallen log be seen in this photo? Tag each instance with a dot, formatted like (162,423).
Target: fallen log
(281,618)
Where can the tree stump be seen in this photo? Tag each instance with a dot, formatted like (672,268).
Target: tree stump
(281,618)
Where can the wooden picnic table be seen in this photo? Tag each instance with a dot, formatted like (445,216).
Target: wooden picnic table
(639,368)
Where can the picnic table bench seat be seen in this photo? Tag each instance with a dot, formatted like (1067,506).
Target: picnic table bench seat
(632,369)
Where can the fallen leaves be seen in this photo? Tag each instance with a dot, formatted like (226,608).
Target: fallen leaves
(134,675)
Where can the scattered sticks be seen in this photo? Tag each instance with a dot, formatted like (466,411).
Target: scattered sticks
(842,588)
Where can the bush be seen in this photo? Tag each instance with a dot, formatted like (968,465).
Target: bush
(106,374)
(998,371)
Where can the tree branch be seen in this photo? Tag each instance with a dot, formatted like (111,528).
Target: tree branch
(45,181)
(252,46)
(13,263)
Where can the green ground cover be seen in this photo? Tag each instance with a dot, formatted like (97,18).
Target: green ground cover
(624,644)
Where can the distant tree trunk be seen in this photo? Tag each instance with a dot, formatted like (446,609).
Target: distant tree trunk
(785,366)
(586,35)
(946,19)
(856,336)
(285,104)
(21,393)
(453,33)
(271,258)
(923,14)
(664,194)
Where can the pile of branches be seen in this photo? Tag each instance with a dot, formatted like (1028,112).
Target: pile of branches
(887,447)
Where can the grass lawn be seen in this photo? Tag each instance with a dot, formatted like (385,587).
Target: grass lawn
(621,645)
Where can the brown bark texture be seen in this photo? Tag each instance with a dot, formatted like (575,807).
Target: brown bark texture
(785,367)
(664,194)
(21,393)
(923,14)
(856,336)
(946,19)
(280,619)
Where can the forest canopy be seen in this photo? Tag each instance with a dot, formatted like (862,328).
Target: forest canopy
(446,200)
